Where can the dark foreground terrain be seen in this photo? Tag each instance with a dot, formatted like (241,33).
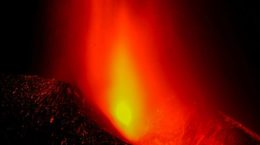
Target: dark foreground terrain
(37,111)
(45,111)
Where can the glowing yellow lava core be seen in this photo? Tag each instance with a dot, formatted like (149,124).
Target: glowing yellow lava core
(124,113)
(125,93)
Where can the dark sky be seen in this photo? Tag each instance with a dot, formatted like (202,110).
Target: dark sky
(22,35)
(231,24)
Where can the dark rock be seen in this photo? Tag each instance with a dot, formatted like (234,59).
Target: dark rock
(45,111)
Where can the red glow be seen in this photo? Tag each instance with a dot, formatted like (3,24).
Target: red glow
(124,71)
(129,58)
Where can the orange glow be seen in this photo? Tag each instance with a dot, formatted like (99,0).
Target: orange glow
(124,75)
(138,62)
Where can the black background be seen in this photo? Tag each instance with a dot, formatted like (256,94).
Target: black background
(229,23)
(22,36)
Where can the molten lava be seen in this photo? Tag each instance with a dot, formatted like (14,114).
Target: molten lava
(128,87)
